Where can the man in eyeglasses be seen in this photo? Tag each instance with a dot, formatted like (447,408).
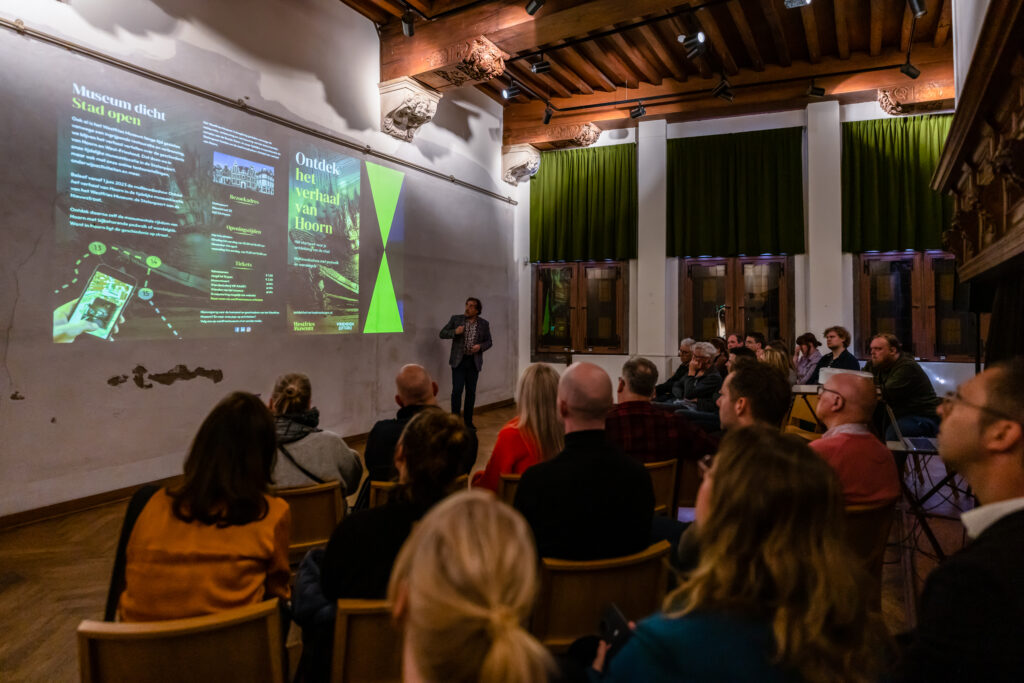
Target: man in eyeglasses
(866,468)
(905,388)
(971,613)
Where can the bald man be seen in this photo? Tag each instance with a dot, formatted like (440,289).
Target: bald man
(415,391)
(866,468)
(590,501)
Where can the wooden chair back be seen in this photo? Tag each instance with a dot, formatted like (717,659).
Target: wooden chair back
(316,511)
(507,487)
(802,419)
(687,482)
(241,644)
(574,595)
(867,533)
(663,478)
(367,646)
(380,491)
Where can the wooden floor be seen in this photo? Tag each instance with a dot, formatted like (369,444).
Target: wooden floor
(54,573)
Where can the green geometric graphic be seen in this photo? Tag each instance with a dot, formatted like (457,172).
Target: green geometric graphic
(383,315)
(385,186)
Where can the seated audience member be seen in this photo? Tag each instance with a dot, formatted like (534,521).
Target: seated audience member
(781,361)
(970,621)
(363,547)
(866,468)
(533,436)
(309,455)
(664,390)
(734,340)
(702,381)
(462,588)
(722,356)
(754,393)
(416,391)
(737,354)
(646,433)
(755,342)
(807,357)
(218,540)
(590,501)
(837,339)
(775,595)
(905,388)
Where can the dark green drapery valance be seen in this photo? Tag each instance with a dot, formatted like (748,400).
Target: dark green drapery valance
(736,194)
(888,204)
(583,205)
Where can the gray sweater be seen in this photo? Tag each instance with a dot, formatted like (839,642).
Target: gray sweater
(323,453)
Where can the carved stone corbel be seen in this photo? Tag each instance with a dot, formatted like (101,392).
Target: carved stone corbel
(519,162)
(472,61)
(577,135)
(405,105)
(889,104)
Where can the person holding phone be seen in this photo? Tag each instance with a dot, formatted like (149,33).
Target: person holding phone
(776,594)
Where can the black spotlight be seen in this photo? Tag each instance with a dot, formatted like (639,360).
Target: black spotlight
(638,111)
(540,67)
(533,6)
(694,45)
(815,90)
(918,9)
(795,4)
(547,115)
(909,70)
(723,90)
(510,91)
(407,28)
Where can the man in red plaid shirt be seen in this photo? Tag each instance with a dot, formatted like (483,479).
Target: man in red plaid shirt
(648,433)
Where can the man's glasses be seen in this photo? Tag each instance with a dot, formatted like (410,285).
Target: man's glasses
(822,389)
(953,397)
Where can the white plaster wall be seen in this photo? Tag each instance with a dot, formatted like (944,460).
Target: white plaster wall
(310,61)
(968,17)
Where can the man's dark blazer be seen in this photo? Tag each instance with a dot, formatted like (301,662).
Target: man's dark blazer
(483,338)
(589,502)
(971,614)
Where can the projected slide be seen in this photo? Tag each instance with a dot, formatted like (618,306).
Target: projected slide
(179,219)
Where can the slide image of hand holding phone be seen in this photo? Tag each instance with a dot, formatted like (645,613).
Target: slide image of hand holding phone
(98,310)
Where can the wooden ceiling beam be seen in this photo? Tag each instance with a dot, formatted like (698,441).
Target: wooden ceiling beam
(542,84)
(945,23)
(657,45)
(566,75)
(391,8)
(634,59)
(609,64)
(585,69)
(842,30)
(877,20)
(811,33)
(507,25)
(370,11)
(739,18)
(710,26)
(906,29)
(778,35)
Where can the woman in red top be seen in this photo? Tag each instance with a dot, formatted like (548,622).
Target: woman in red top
(534,435)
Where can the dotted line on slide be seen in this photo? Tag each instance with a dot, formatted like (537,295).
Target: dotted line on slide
(164,318)
(75,279)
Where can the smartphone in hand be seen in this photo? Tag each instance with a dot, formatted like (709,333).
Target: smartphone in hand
(104,298)
(614,630)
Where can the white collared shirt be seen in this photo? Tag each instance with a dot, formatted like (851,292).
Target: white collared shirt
(848,428)
(984,516)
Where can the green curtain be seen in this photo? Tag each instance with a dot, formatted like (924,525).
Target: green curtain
(888,203)
(583,205)
(736,194)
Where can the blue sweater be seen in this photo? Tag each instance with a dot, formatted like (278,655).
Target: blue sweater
(697,648)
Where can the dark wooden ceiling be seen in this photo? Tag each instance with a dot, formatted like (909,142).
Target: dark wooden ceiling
(767,52)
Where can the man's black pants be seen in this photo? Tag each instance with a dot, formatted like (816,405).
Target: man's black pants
(464,375)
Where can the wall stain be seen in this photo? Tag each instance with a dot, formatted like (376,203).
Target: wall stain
(16,396)
(179,372)
(53,420)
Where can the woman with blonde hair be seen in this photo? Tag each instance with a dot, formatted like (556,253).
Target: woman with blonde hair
(776,595)
(462,588)
(533,436)
(780,360)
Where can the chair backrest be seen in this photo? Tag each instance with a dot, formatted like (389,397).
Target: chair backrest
(574,595)
(367,646)
(380,491)
(663,478)
(507,487)
(801,419)
(867,533)
(688,480)
(316,511)
(242,644)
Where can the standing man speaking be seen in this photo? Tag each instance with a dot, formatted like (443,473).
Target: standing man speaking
(471,336)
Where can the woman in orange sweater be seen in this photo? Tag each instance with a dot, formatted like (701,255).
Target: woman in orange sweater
(219,540)
(533,436)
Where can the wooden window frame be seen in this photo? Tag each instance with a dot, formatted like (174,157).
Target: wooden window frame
(578,311)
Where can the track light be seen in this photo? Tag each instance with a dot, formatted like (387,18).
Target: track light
(547,115)
(918,9)
(910,70)
(796,4)
(540,67)
(815,90)
(407,27)
(510,91)
(533,6)
(638,111)
(694,45)
(723,90)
